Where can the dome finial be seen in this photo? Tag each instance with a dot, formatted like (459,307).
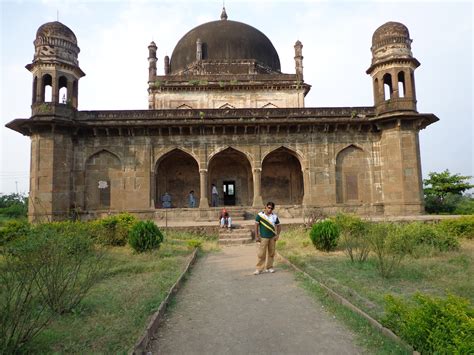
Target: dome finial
(223,14)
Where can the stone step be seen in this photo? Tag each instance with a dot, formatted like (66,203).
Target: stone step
(235,241)
(234,235)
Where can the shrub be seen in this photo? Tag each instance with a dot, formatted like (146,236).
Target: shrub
(113,230)
(465,206)
(353,236)
(13,205)
(324,235)
(194,243)
(23,314)
(13,229)
(65,260)
(432,325)
(461,227)
(389,246)
(145,236)
(428,235)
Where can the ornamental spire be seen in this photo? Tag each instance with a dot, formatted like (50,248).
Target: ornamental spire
(223,14)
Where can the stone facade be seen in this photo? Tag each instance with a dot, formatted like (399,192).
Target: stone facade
(230,120)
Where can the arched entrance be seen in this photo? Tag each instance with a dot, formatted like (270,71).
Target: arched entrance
(282,178)
(177,173)
(231,172)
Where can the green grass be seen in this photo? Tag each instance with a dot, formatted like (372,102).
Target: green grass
(365,334)
(115,313)
(436,274)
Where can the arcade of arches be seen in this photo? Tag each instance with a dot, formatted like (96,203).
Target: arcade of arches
(281,178)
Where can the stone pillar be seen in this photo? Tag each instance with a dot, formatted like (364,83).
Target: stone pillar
(306,186)
(299,60)
(257,183)
(152,48)
(55,88)
(395,93)
(204,201)
(198,49)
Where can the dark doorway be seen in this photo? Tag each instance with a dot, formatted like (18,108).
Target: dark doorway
(229,193)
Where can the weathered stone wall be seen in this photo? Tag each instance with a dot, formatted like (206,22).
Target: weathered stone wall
(238,99)
(352,169)
(50,176)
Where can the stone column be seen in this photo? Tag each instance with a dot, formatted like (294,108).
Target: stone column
(204,201)
(306,186)
(257,182)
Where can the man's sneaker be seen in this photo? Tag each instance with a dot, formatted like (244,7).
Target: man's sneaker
(271,270)
(257,272)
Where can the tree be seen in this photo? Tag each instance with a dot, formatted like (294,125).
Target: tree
(13,205)
(443,191)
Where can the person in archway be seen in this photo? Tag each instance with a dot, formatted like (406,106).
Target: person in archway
(191,199)
(166,200)
(225,219)
(267,232)
(214,196)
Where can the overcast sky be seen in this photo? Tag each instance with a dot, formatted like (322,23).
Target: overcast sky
(114,35)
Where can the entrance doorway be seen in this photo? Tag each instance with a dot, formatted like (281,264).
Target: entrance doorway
(229,193)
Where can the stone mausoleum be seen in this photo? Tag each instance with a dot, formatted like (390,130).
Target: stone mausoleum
(223,113)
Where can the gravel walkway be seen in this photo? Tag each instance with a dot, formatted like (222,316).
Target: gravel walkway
(224,309)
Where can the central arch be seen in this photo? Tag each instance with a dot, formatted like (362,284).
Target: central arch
(232,167)
(282,178)
(176,173)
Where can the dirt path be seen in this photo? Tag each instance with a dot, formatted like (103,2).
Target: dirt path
(224,309)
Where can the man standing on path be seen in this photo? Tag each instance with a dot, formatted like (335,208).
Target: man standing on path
(267,232)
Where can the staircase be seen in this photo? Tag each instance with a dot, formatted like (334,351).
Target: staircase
(236,235)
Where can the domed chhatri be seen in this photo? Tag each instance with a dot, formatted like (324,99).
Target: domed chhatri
(56,29)
(391,40)
(225,40)
(390,31)
(55,40)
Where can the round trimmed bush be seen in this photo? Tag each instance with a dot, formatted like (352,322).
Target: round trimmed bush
(145,236)
(324,235)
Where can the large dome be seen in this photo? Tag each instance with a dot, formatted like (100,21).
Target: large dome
(225,40)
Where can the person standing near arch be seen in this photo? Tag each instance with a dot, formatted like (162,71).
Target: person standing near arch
(214,196)
(267,232)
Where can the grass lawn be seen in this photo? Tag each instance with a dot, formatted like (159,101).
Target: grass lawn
(436,274)
(115,313)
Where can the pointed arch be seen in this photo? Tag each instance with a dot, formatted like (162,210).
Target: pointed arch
(46,88)
(297,154)
(388,86)
(231,171)
(63,91)
(353,183)
(184,107)
(103,171)
(269,105)
(176,173)
(226,105)
(401,84)
(221,149)
(282,177)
